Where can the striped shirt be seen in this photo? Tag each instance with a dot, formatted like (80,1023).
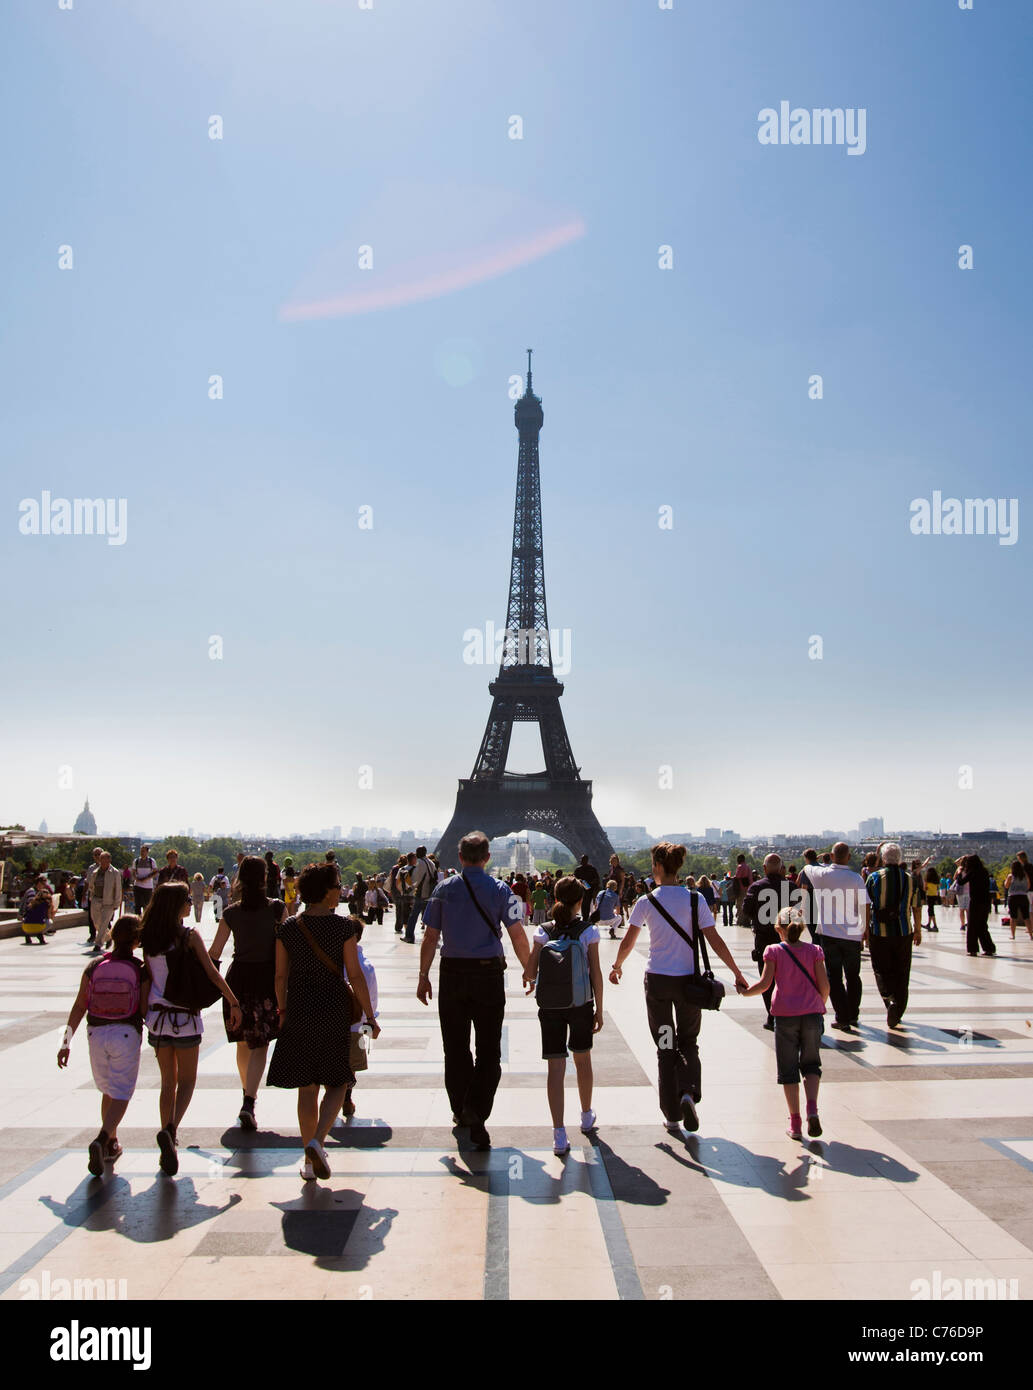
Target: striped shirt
(889,886)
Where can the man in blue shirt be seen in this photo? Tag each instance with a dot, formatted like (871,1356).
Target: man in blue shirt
(467,913)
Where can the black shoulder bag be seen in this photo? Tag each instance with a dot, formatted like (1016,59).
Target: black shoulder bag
(188,983)
(702,989)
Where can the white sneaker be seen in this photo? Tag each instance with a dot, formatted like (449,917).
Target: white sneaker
(672,1126)
(307,1173)
(315,1154)
(560,1142)
(587,1121)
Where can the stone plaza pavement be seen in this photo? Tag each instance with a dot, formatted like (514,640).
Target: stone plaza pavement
(925,1170)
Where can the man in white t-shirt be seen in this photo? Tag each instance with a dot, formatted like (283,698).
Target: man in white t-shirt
(841,911)
(674,1020)
(145,874)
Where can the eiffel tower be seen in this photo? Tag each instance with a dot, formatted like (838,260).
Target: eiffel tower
(557,801)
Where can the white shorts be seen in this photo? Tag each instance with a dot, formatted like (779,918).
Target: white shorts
(115,1059)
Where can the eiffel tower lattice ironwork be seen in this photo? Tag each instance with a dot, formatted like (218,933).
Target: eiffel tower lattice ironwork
(557,801)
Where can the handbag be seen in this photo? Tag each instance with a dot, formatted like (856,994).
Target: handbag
(702,990)
(354,1011)
(188,984)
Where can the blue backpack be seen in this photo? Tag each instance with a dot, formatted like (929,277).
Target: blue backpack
(564,981)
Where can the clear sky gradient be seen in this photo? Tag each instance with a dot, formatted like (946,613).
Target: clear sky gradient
(342,647)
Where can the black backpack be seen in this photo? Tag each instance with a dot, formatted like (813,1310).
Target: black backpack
(564,977)
(188,985)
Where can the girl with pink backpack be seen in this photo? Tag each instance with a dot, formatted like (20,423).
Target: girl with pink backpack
(113,999)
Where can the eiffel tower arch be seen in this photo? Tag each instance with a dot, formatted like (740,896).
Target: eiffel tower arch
(557,800)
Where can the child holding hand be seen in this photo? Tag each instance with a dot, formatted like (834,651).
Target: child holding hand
(797,970)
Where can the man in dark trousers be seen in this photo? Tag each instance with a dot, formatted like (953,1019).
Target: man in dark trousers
(895,927)
(467,912)
(807,905)
(760,908)
(589,875)
(421,883)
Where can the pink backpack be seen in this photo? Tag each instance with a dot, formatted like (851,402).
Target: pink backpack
(114,990)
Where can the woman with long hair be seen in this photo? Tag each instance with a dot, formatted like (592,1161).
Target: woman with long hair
(272,875)
(674,1017)
(932,895)
(317,973)
(197,895)
(974,877)
(173,1031)
(962,890)
(252,923)
(1016,895)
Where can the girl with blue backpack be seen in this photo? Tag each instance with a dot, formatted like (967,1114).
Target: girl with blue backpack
(564,971)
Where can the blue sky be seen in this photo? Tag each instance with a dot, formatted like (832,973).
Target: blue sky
(342,648)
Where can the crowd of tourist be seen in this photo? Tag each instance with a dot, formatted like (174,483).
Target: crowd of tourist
(300,999)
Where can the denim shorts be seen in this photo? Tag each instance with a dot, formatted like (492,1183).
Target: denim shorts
(176,1040)
(798,1047)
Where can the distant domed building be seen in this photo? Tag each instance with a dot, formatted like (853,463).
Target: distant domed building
(42,827)
(85,823)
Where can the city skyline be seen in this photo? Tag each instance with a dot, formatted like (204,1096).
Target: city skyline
(382,834)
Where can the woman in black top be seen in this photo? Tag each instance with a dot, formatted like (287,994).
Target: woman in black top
(316,961)
(252,922)
(272,875)
(976,877)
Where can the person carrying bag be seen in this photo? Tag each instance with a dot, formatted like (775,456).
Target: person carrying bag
(677,990)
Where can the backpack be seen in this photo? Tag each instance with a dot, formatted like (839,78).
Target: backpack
(188,985)
(113,991)
(564,981)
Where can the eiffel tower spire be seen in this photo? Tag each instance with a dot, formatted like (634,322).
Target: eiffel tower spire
(557,800)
